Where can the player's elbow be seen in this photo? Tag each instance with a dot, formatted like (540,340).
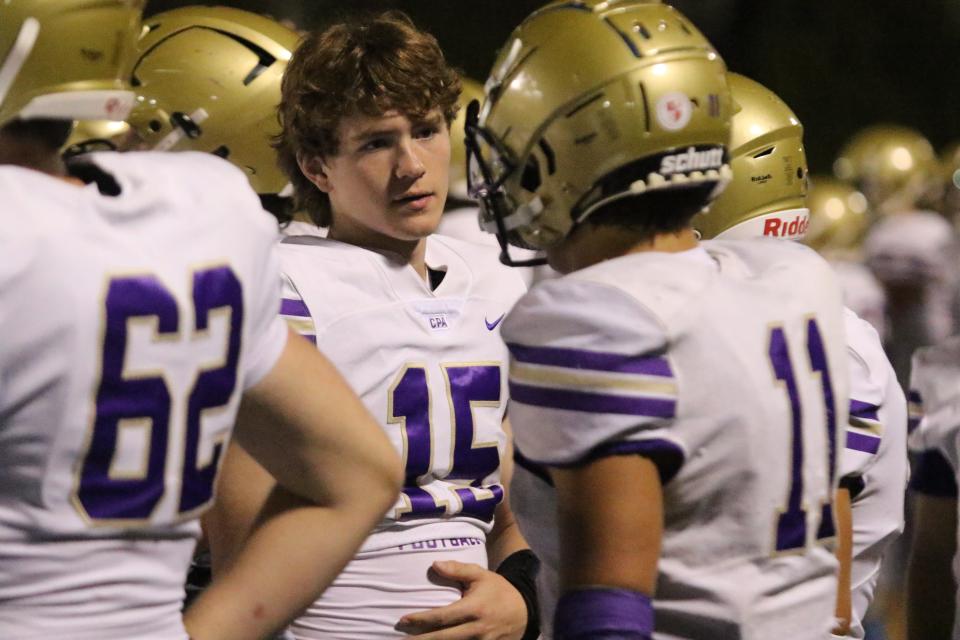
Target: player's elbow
(387,477)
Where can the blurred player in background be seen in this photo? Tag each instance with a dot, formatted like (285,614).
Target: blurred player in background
(838,223)
(414,320)
(935,417)
(910,249)
(656,389)
(914,256)
(895,167)
(768,194)
(137,308)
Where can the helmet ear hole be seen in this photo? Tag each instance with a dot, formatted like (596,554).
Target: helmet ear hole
(531,179)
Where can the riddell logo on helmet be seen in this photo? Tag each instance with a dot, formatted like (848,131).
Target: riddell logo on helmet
(691,160)
(777,228)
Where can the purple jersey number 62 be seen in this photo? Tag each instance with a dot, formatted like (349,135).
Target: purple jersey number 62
(147,398)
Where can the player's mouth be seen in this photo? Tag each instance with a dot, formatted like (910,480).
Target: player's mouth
(418,201)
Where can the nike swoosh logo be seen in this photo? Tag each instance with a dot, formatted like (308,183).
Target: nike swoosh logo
(493,325)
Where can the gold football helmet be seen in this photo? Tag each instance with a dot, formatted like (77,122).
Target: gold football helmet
(894,167)
(472,90)
(950,176)
(766,195)
(208,79)
(590,102)
(67,59)
(838,216)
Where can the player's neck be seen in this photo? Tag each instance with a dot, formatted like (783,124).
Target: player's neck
(412,252)
(592,244)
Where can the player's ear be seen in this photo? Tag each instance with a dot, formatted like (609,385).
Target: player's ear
(314,169)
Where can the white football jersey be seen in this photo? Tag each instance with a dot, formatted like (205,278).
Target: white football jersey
(874,460)
(303,228)
(862,293)
(131,325)
(430,366)
(726,366)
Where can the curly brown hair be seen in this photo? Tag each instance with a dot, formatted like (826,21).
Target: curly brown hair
(368,65)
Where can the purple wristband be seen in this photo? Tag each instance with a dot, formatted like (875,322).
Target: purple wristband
(603,614)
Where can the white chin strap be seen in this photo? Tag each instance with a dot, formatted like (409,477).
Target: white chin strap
(789,224)
(26,39)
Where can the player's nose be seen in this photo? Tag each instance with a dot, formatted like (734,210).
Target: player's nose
(409,165)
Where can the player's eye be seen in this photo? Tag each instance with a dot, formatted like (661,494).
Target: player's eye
(427,131)
(375,144)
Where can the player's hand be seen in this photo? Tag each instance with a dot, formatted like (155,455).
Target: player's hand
(490,609)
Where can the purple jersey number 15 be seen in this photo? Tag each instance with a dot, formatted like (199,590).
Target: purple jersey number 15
(409,405)
(146,398)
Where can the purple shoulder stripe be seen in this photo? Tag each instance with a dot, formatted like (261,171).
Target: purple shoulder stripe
(863,410)
(593,360)
(290,307)
(863,442)
(592,402)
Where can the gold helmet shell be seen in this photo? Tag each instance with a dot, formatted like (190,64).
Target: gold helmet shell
(838,216)
(895,167)
(590,102)
(472,90)
(208,79)
(766,196)
(950,176)
(67,59)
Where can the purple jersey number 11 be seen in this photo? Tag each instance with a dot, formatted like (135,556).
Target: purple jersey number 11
(792,523)
(146,399)
(409,405)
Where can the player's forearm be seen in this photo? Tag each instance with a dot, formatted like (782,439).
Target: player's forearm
(310,431)
(295,550)
(605,542)
(844,552)
(505,538)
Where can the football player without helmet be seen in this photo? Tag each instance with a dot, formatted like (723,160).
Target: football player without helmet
(603,133)
(769,192)
(115,405)
(894,166)
(413,320)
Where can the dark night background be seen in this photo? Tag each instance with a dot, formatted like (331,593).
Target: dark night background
(841,65)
